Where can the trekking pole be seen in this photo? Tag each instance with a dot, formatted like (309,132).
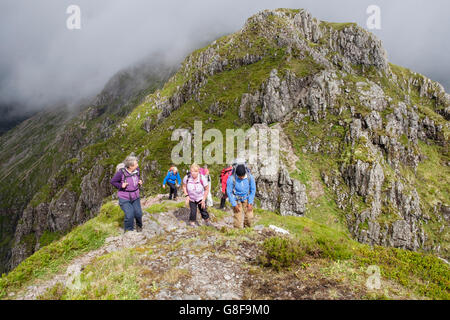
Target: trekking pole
(141,188)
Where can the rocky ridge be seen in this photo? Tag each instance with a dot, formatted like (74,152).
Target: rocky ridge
(376,121)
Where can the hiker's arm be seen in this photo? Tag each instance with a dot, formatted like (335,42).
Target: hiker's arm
(230,192)
(205,194)
(116,181)
(251,197)
(165,179)
(178,178)
(140,182)
(184,189)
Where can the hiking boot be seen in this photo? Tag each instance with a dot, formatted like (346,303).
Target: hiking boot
(222,204)
(138,229)
(208,223)
(192,224)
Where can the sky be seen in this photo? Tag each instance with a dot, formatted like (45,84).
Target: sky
(43,63)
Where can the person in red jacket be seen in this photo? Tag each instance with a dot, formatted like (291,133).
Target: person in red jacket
(223,180)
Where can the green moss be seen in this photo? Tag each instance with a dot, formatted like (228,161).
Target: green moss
(43,195)
(364,225)
(388,215)
(404,140)
(338,26)
(304,67)
(30,241)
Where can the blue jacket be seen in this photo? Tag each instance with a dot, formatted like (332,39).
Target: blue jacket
(244,189)
(171,177)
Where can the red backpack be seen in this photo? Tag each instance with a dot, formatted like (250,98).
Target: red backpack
(226,172)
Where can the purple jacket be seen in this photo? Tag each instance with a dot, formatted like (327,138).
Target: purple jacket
(131,192)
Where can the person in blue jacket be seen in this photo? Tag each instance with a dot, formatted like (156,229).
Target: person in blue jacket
(241,189)
(173,180)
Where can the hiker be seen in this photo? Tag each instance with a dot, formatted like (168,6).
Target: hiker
(173,180)
(226,172)
(205,172)
(241,189)
(128,181)
(196,188)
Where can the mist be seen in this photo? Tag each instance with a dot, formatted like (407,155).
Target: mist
(43,63)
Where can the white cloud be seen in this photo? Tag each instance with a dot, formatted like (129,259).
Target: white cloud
(42,62)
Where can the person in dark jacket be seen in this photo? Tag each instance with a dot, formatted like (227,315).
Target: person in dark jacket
(127,180)
(173,180)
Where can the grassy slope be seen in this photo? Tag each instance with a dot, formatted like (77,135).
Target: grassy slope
(314,244)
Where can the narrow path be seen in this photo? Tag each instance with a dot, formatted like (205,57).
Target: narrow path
(212,276)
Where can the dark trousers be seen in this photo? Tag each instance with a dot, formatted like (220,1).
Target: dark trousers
(173,190)
(223,200)
(133,211)
(193,215)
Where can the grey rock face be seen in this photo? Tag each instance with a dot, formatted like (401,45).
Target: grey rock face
(95,187)
(359,47)
(278,98)
(60,210)
(276,190)
(33,223)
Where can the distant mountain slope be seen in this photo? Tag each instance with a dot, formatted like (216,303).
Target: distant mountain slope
(10,118)
(35,150)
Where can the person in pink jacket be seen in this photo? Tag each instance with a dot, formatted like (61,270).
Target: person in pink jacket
(196,188)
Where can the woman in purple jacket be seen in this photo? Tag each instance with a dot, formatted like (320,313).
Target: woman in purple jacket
(127,180)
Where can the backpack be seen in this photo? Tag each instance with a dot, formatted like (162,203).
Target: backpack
(171,170)
(225,173)
(233,173)
(121,167)
(200,177)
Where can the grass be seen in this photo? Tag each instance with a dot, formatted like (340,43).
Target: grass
(164,206)
(52,258)
(114,276)
(280,253)
(217,214)
(431,173)
(338,26)
(421,274)
(48,237)
(119,275)
(321,204)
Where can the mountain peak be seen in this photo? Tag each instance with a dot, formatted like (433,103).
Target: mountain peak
(341,44)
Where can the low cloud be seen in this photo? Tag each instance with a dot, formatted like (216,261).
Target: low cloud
(43,63)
